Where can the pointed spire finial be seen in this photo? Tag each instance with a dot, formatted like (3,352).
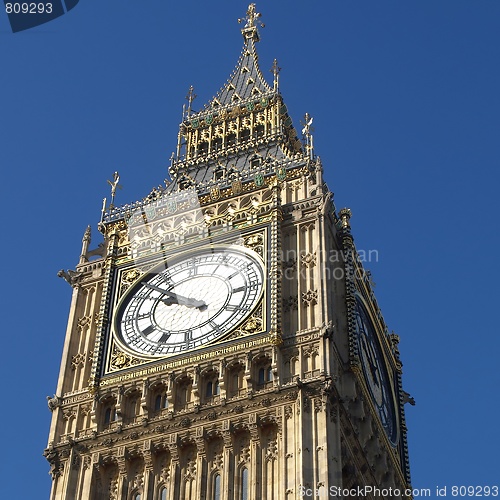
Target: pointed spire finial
(85,245)
(249,31)
(307,133)
(87,234)
(103,210)
(190,97)
(275,70)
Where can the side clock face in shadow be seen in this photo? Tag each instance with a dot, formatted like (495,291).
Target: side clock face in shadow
(193,301)
(375,371)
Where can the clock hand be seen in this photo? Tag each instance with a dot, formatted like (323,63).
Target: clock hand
(176,298)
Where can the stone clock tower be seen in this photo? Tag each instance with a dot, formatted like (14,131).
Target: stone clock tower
(224,342)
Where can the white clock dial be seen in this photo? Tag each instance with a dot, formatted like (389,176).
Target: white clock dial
(193,301)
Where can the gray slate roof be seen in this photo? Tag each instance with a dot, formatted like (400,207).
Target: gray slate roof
(246,81)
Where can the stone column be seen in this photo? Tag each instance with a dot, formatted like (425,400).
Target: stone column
(149,480)
(228,468)
(201,487)
(255,469)
(122,490)
(87,473)
(174,487)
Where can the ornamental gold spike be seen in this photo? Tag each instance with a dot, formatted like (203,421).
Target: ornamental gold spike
(275,69)
(251,18)
(190,97)
(249,31)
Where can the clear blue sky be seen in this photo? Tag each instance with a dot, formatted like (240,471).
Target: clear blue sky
(406,105)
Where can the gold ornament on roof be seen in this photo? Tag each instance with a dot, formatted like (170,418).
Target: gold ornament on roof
(251,18)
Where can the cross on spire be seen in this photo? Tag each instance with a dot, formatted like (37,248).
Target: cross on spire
(251,18)
(249,31)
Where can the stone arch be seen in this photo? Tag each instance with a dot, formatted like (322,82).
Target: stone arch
(131,405)
(262,372)
(183,392)
(107,411)
(235,382)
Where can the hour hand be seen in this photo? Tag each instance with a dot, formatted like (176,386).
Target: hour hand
(174,298)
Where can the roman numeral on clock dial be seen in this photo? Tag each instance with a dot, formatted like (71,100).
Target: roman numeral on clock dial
(190,301)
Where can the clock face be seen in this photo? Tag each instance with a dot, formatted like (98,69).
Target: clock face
(375,372)
(193,301)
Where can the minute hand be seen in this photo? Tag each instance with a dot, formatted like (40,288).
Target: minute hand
(185,301)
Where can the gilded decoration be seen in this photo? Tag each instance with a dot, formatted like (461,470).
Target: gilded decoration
(236,187)
(276,338)
(281,173)
(254,324)
(121,360)
(83,322)
(255,242)
(128,277)
(215,193)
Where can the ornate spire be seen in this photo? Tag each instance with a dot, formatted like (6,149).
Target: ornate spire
(250,31)
(85,245)
(307,134)
(275,70)
(245,125)
(190,97)
(246,82)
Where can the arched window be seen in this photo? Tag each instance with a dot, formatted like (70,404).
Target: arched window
(208,392)
(109,414)
(163,493)
(183,394)
(158,402)
(265,374)
(235,381)
(211,384)
(216,490)
(132,407)
(244,484)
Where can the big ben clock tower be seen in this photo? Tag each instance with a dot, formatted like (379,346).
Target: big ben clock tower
(224,342)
